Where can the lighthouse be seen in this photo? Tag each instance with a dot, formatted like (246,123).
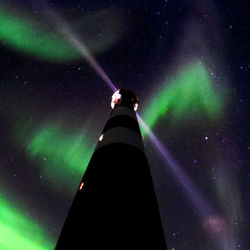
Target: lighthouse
(115,206)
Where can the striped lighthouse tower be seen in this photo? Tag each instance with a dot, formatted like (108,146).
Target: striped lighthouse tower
(115,206)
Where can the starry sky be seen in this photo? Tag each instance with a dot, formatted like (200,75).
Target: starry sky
(187,60)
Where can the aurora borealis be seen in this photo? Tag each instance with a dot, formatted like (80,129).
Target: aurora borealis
(67,152)
(42,40)
(188,62)
(189,93)
(19,231)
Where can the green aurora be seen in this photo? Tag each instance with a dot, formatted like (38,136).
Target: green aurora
(64,156)
(190,94)
(26,34)
(17,231)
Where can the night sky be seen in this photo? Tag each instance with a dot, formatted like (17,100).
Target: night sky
(187,60)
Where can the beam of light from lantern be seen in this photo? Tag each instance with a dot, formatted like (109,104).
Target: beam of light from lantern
(200,202)
(85,52)
(77,43)
(36,37)
(215,225)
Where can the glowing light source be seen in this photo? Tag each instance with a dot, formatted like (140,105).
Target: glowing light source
(101,137)
(115,98)
(118,95)
(136,106)
(81,185)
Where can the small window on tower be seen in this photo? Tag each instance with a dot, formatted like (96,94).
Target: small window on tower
(135,106)
(81,185)
(101,137)
(115,98)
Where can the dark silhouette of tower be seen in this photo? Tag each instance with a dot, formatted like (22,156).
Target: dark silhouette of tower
(115,206)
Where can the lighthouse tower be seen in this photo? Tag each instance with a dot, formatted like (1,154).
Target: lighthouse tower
(115,206)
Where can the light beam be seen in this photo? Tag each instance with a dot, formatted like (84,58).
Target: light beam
(213,223)
(76,42)
(202,205)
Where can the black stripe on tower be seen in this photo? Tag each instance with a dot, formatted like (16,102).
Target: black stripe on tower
(122,121)
(122,127)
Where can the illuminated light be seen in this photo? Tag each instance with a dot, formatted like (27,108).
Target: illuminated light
(115,98)
(101,137)
(188,186)
(81,46)
(136,107)
(212,222)
(81,185)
